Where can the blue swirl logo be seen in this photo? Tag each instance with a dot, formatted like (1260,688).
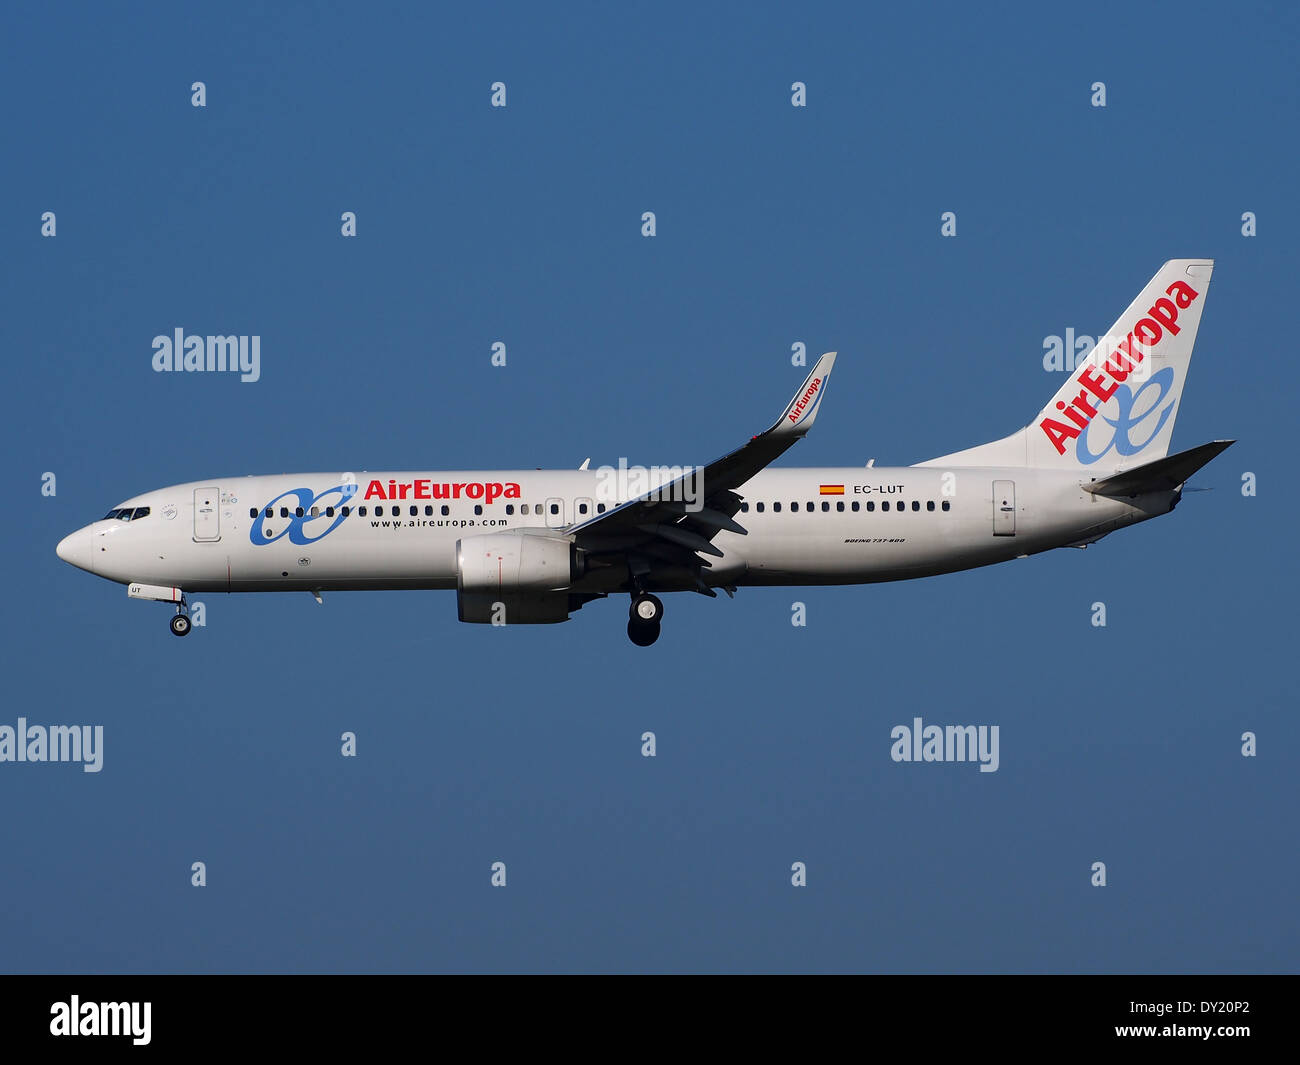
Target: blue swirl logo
(1125,421)
(305,499)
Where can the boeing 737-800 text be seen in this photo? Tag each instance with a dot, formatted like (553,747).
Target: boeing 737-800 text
(531,547)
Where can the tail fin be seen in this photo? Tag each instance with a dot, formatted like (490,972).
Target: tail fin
(1118,407)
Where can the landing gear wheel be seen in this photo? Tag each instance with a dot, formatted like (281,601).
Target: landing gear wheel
(643,633)
(180,625)
(647,610)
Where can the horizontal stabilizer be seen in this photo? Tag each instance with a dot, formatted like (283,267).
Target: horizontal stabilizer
(1163,475)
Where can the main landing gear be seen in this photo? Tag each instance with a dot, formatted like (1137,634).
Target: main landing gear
(643,619)
(180,622)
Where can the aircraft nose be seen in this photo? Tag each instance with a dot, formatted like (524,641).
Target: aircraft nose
(75,550)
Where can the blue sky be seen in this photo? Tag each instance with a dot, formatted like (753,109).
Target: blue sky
(522,225)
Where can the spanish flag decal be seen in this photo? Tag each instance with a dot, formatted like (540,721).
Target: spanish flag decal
(832,489)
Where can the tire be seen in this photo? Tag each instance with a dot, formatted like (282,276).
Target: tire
(180,625)
(647,610)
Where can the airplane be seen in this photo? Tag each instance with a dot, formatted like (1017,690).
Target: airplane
(533,546)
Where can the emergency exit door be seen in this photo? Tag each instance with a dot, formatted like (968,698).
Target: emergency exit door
(1004,508)
(207,515)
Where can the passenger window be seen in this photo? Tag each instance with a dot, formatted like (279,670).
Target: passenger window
(855,506)
(362,511)
(252,512)
(945,505)
(929,505)
(510,508)
(270,513)
(284,512)
(744,508)
(297,512)
(884,505)
(776,508)
(758,507)
(478,508)
(555,508)
(329,512)
(871,505)
(916,504)
(414,510)
(840,506)
(582,508)
(794,508)
(523,508)
(600,508)
(810,508)
(445,510)
(347,511)
(315,512)
(825,506)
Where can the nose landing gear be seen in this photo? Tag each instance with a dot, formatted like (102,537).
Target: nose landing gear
(644,617)
(180,622)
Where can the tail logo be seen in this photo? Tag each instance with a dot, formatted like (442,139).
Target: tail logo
(1095,389)
(1125,420)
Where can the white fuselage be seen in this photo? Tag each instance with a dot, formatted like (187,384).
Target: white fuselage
(533,546)
(245,534)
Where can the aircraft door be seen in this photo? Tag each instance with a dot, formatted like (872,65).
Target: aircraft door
(1004,508)
(207,515)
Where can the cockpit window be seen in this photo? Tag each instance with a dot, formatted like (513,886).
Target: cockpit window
(140,512)
(118,515)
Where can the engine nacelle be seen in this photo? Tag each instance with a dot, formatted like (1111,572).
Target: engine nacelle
(515,578)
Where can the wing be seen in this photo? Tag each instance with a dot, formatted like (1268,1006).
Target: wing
(671,525)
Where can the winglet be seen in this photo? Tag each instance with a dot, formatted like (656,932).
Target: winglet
(798,416)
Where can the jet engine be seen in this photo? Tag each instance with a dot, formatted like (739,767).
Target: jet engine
(516,578)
